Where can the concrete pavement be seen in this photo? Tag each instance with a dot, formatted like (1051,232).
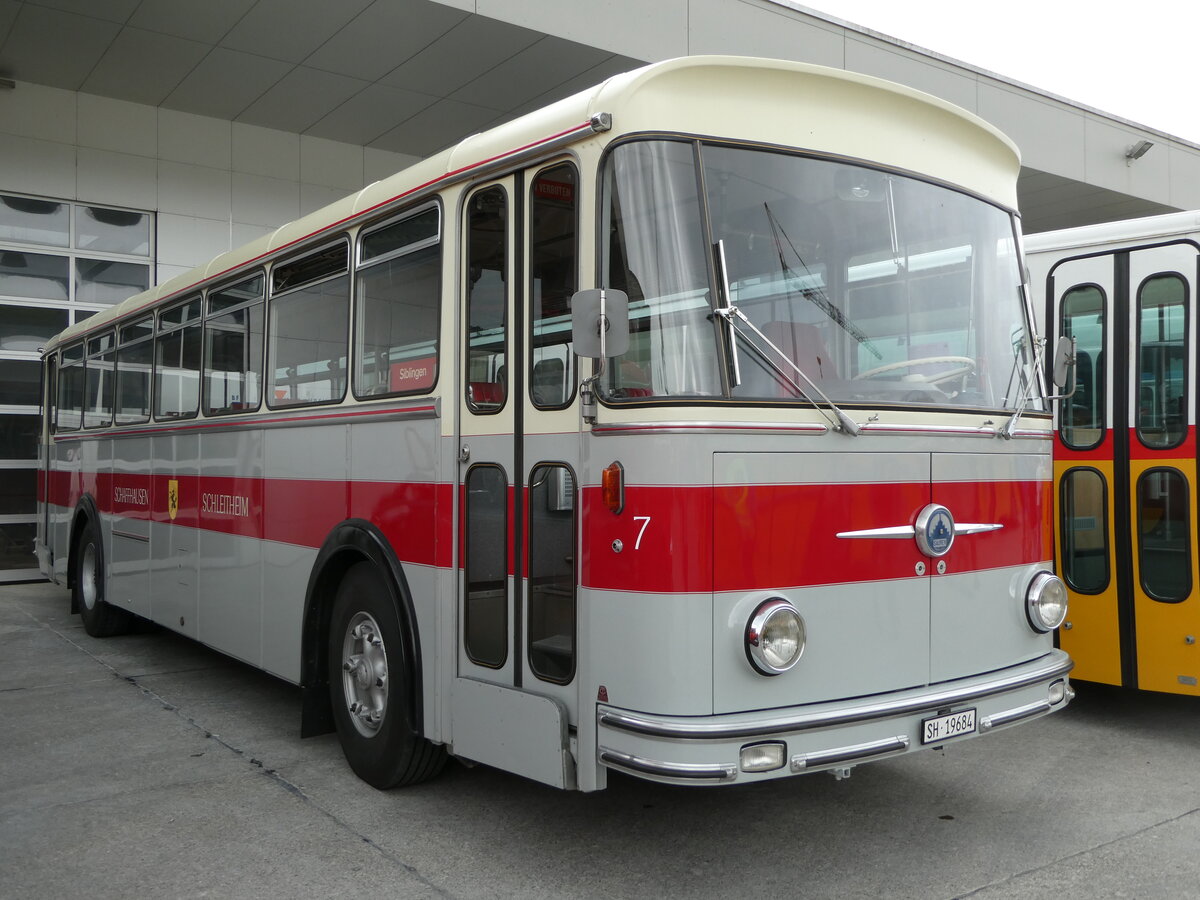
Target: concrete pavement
(149,766)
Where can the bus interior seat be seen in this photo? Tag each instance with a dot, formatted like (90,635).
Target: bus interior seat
(803,345)
(486,393)
(549,385)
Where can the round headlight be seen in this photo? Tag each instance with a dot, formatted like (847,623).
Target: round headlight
(775,637)
(1046,602)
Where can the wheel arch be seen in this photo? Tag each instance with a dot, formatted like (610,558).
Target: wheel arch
(353,541)
(85,511)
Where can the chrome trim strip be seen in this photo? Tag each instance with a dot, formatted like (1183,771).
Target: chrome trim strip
(974,528)
(355,411)
(1054,665)
(888,534)
(986,431)
(805,428)
(638,765)
(133,537)
(906,531)
(704,427)
(804,761)
(987,723)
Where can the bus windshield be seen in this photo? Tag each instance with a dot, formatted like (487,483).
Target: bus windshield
(880,288)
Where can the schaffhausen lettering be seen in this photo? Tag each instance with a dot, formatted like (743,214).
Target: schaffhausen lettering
(132,496)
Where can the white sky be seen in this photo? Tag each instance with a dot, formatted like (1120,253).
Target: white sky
(1139,60)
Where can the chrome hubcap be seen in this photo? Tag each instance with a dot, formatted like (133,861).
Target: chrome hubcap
(364,674)
(87,577)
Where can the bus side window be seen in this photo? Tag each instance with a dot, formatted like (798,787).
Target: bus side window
(485,612)
(397,306)
(177,362)
(1081,425)
(552,631)
(553,275)
(309,325)
(487,280)
(135,362)
(99,377)
(233,348)
(69,414)
(1162,361)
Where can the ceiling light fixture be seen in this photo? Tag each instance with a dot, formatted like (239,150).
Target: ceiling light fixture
(1137,151)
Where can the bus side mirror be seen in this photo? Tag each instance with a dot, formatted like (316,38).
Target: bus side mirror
(600,323)
(1064,368)
(1064,361)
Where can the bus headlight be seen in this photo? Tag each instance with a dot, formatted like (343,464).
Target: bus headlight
(1046,602)
(775,637)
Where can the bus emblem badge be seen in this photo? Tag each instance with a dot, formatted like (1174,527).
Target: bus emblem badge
(935,530)
(172,498)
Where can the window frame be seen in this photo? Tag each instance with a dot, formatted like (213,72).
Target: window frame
(274,296)
(475,407)
(1067,569)
(162,328)
(1136,366)
(1102,379)
(1140,544)
(208,316)
(355,354)
(126,342)
(572,372)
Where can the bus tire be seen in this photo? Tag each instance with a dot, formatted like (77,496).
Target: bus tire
(100,619)
(369,686)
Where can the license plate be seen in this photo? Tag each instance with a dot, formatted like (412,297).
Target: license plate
(939,728)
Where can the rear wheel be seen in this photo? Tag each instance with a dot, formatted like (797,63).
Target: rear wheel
(99,618)
(370,689)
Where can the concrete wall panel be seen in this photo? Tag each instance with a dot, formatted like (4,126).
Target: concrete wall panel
(762,30)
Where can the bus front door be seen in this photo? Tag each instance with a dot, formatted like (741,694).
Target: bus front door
(1125,467)
(515,646)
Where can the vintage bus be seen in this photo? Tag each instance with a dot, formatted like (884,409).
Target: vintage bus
(1125,446)
(690,427)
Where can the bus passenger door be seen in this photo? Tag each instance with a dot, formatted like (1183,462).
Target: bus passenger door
(515,644)
(1085,488)
(1125,468)
(487,416)
(548,447)
(1161,447)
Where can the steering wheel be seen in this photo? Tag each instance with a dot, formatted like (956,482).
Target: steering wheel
(965,366)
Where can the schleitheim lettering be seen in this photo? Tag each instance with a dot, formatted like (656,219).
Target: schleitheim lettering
(225,505)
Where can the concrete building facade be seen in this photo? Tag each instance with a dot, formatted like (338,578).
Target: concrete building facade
(212,123)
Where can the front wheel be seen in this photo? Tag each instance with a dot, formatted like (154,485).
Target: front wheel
(99,618)
(370,688)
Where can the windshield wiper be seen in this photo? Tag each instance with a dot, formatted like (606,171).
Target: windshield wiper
(816,296)
(736,321)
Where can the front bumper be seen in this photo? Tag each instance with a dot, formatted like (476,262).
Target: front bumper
(832,735)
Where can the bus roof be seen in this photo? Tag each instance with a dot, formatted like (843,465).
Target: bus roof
(815,108)
(1148,228)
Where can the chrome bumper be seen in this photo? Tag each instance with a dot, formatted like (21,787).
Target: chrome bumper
(690,750)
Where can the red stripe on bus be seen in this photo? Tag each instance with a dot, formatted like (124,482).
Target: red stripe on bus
(750,537)
(415,517)
(667,538)
(1101,452)
(1184,450)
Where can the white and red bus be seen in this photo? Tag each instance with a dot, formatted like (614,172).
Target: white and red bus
(790,513)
